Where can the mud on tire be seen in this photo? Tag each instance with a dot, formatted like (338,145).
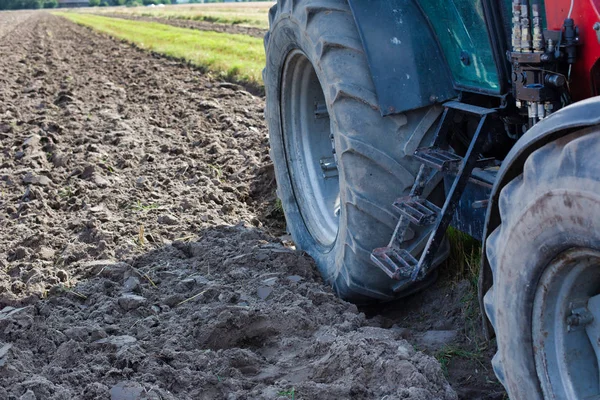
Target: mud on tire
(371,150)
(547,218)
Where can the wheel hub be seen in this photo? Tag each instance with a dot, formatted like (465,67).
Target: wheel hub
(566,326)
(310,150)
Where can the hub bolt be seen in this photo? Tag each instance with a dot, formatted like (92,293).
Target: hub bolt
(579,317)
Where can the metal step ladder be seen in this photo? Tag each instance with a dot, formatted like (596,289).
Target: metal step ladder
(395,259)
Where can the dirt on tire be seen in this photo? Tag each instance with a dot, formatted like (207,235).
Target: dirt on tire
(139,243)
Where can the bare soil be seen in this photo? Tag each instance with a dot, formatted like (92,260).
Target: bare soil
(140,249)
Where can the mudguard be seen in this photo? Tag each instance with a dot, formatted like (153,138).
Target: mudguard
(567,120)
(407,66)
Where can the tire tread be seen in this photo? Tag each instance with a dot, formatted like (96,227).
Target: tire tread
(371,142)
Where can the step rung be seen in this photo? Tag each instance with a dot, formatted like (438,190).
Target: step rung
(417,210)
(485,162)
(468,108)
(396,263)
(442,160)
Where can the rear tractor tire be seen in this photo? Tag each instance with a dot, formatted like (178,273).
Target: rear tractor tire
(544,304)
(339,164)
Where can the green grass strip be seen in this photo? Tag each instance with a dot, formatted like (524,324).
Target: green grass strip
(226,17)
(216,18)
(234,57)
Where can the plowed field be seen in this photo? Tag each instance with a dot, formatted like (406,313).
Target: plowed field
(142,253)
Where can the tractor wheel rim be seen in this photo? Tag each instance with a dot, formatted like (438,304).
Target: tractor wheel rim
(309,147)
(566,321)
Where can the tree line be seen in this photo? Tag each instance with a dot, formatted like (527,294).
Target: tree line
(27,4)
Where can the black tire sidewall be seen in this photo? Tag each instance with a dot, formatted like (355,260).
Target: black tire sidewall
(372,164)
(542,220)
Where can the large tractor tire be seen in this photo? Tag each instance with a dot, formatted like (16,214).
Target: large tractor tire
(544,304)
(339,164)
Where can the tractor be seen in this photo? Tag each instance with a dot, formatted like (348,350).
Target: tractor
(392,120)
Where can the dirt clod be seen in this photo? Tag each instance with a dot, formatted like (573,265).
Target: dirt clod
(130,302)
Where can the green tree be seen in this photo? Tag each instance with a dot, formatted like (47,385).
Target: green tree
(31,4)
(94,3)
(50,3)
(20,4)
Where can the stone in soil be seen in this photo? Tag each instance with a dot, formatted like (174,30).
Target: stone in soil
(130,302)
(435,340)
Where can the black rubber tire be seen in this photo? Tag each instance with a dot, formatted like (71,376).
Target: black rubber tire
(553,206)
(372,150)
